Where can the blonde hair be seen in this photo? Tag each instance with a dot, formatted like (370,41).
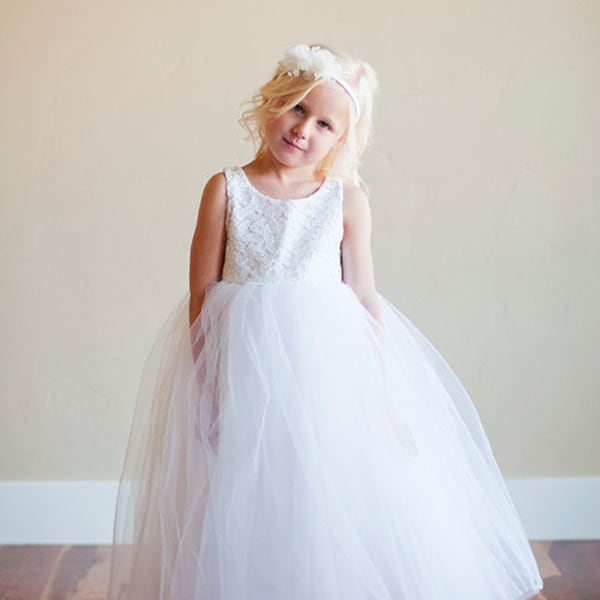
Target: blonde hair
(283,92)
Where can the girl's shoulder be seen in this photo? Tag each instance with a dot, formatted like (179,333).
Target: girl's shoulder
(355,202)
(214,193)
(220,181)
(221,176)
(216,179)
(353,194)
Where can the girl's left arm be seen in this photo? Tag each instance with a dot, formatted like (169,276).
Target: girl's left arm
(357,259)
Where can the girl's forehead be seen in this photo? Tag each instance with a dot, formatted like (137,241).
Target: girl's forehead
(330,97)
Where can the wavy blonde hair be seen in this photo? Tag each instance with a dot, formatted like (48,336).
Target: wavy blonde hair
(283,92)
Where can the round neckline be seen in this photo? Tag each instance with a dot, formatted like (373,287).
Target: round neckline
(300,199)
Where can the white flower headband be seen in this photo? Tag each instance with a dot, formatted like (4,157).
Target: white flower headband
(317,63)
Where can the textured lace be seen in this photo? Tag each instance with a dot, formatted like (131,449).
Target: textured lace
(270,239)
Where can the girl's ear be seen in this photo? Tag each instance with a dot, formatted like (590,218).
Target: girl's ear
(340,141)
(327,162)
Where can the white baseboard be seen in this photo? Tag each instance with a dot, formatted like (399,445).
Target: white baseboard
(558,508)
(57,512)
(81,512)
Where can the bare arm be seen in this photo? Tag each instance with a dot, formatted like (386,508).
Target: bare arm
(357,259)
(208,244)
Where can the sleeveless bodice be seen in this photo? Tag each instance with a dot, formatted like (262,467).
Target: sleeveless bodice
(270,239)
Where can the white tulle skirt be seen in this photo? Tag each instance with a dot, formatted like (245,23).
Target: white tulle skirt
(285,447)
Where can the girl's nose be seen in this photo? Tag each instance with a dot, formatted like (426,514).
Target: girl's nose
(299,129)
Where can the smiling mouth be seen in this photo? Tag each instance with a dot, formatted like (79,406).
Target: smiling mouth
(293,145)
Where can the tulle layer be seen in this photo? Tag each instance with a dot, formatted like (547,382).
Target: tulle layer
(286,447)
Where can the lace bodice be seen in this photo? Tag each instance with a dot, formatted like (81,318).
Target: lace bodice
(270,239)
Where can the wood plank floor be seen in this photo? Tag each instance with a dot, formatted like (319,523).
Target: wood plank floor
(571,571)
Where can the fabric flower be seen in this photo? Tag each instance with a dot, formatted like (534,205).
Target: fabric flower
(314,63)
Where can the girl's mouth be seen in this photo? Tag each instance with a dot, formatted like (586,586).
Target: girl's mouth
(292,146)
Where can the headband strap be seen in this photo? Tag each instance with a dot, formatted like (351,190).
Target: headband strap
(317,63)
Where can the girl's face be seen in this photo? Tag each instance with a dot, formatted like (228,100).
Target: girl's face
(304,134)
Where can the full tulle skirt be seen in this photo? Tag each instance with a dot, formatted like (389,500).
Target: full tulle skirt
(286,447)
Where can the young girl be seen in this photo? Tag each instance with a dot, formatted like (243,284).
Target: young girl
(295,436)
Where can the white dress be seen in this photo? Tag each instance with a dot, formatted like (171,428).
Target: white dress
(286,447)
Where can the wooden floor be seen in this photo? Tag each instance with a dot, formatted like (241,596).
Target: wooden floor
(571,571)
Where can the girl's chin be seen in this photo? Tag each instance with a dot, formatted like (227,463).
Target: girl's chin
(289,156)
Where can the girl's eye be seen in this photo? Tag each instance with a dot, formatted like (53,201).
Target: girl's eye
(297,108)
(323,124)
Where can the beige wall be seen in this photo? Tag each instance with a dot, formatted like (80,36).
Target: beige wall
(484,189)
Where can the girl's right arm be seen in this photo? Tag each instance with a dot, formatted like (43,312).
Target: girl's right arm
(208,244)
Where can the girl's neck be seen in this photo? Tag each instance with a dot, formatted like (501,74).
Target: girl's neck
(283,176)
(280,181)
